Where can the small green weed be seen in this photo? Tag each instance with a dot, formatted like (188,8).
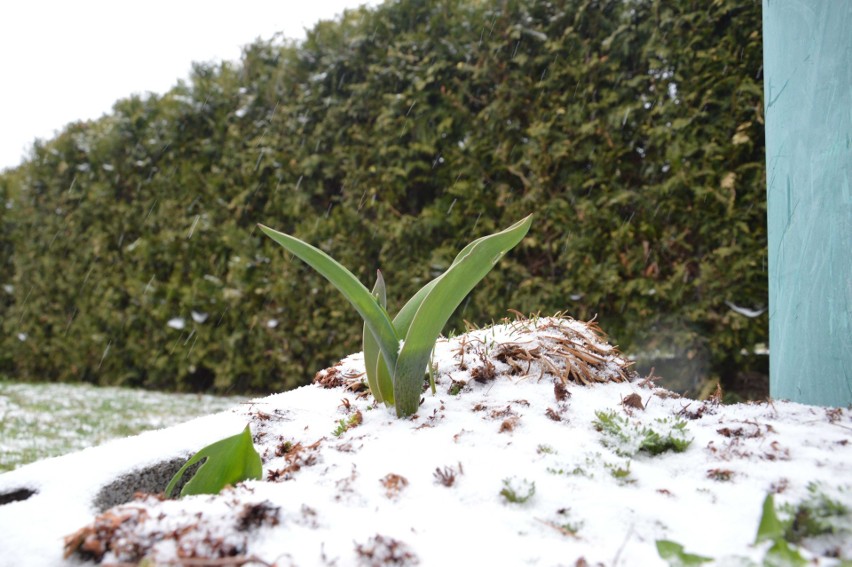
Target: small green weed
(545,450)
(817,515)
(517,491)
(592,462)
(340,429)
(572,527)
(580,471)
(620,473)
(627,439)
(576,471)
(566,523)
(345,425)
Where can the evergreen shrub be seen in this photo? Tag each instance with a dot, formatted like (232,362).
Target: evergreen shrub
(632,130)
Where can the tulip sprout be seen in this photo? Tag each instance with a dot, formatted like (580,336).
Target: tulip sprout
(397,352)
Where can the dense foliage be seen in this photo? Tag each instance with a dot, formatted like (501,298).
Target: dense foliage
(390,138)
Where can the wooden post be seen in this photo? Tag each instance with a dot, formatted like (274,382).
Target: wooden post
(808,109)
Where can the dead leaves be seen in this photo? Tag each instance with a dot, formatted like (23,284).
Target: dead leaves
(447,475)
(256,515)
(485,372)
(747,439)
(93,541)
(633,400)
(336,377)
(509,424)
(552,414)
(382,550)
(560,391)
(514,355)
(295,456)
(124,535)
(393,484)
(568,350)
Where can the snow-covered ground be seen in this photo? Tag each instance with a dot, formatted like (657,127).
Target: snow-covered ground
(514,461)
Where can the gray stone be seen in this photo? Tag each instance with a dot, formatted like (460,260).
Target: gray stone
(151,480)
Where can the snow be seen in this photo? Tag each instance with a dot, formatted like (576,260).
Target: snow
(506,469)
(746,311)
(199,316)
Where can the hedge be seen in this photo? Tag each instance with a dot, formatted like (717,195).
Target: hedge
(390,138)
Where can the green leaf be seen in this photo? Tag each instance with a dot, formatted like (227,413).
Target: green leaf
(420,320)
(770,527)
(375,317)
(442,298)
(781,554)
(674,554)
(401,324)
(228,461)
(378,377)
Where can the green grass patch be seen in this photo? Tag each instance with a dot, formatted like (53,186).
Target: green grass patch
(47,420)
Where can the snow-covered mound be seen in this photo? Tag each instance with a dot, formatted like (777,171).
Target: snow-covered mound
(539,447)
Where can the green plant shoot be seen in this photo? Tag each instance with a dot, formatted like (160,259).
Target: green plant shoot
(396,353)
(770,527)
(380,385)
(228,461)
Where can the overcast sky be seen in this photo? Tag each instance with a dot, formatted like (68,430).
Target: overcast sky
(62,60)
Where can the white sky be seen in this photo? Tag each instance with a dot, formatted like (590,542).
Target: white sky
(64,61)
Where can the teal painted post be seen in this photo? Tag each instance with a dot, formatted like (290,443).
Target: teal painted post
(807,57)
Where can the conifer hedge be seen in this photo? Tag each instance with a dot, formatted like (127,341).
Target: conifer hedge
(390,138)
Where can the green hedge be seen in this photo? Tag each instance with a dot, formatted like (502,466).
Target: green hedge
(390,138)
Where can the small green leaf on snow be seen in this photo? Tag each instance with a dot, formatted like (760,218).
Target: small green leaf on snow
(226,462)
(771,528)
(782,554)
(675,555)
